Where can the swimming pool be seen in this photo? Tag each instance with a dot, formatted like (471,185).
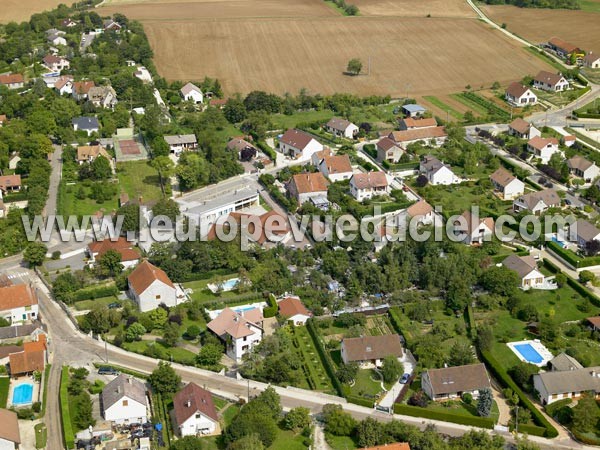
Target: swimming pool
(225,286)
(529,353)
(22,394)
(561,243)
(230,284)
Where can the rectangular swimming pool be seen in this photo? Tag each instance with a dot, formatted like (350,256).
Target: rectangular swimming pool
(529,353)
(22,394)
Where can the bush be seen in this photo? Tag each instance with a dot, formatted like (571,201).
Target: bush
(415,411)
(310,326)
(36,407)
(95,292)
(467,398)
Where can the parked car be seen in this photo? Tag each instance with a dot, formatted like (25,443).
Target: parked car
(107,370)
(404,379)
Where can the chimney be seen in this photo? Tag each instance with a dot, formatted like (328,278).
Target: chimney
(593,373)
(129,380)
(188,404)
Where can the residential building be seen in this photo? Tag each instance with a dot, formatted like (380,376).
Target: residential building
(240,331)
(12,81)
(64,85)
(88,153)
(149,286)
(583,168)
(422,212)
(191,92)
(537,202)
(558,385)
(368,185)
(437,172)
(568,140)
(341,128)
(388,150)
(522,129)
(102,96)
(13,162)
(25,332)
(299,144)
(563,362)
(3,119)
(194,412)
(292,308)
(583,232)
(68,23)
(409,123)
(395,446)
(519,95)
(304,186)
(476,230)
(81,89)
(10,436)
(10,183)
(548,81)
(111,25)
(506,184)
(453,382)
(130,257)
(32,358)
(143,74)
(317,157)
(592,60)
(18,303)
(336,168)
(526,267)
(371,350)
(434,136)
(413,110)
(543,148)
(564,49)
(265,230)
(181,142)
(88,124)
(594,323)
(56,37)
(243,148)
(123,401)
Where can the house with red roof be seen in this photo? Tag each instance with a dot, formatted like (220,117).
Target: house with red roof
(299,144)
(18,303)
(31,359)
(12,81)
(292,309)
(543,148)
(130,257)
(240,330)
(519,95)
(368,185)
(149,286)
(194,412)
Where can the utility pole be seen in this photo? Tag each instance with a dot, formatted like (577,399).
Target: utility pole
(248,380)
(517,420)
(106,351)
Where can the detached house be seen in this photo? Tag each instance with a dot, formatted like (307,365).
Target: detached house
(267,229)
(240,331)
(64,85)
(371,350)
(568,140)
(557,385)
(88,153)
(181,142)
(476,230)
(507,184)
(293,310)
(56,37)
(32,358)
(341,128)
(18,303)
(244,149)
(422,212)
(10,183)
(413,110)
(563,49)
(388,150)
(453,382)
(592,60)
(306,186)
(409,123)
(299,144)
(537,202)
(522,129)
(434,136)
(543,148)
(12,81)
(548,81)
(584,232)
(88,124)
(10,436)
(583,168)
(81,89)
(191,92)
(519,95)
(194,412)
(368,185)
(149,286)
(129,256)
(55,63)
(124,401)
(526,268)
(102,96)
(111,25)
(437,172)
(336,168)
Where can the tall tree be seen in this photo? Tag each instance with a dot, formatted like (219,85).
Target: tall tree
(164,379)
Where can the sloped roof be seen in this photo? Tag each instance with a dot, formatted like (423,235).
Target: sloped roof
(290,306)
(310,182)
(239,144)
(338,123)
(17,296)
(595,321)
(548,77)
(11,78)
(269,228)
(559,382)
(421,208)
(366,348)
(181,139)
(502,177)
(123,386)
(386,143)
(52,59)
(9,426)
(121,245)
(237,325)
(563,362)
(539,142)
(520,125)
(459,379)
(591,57)
(516,89)
(86,123)
(190,87)
(424,122)
(145,274)
(190,400)
(7,181)
(413,108)
(337,164)
(32,358)
(296,138)
(83,87)
(548,196)
(418,134)
(585,230)
(563,45)
(472,226)
(523,265)
(85,152)
(579,162)
(369,180)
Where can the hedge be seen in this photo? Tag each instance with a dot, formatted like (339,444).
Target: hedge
(400,167)
(504,379)
(395,320)
(271,310)
(267,150)
(580,289)
(552,408)
(95,292)
(234,301)
(585,439)
(573,259)
(15,197)
(532,430)
(360,401)
(416,411)
(122,370)
(310,326)
(471,321)
(65,413)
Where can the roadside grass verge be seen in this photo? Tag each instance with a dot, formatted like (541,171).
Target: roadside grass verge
(4,386)
(65,412)
(41,435)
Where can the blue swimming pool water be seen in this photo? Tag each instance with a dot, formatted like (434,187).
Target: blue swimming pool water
(561,243)
(529,353)
(230,284)
(22,394)
(247,308)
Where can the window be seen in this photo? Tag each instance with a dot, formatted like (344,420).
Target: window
(158,297)
(125,402)
(198,416)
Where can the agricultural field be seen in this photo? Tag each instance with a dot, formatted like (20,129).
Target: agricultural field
(407,8)
(278,47)
(19,10)
(538,25)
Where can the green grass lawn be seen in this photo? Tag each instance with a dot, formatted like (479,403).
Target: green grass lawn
(283,121)
(340,442)
(4,385)
(41,435)
(437,102)
(202,294)
(180,355)
(139,179)
(288,440)
(590,5)
(460,408)
(68,204)
(367,384)
(475,107)
(89,304)
(560,98)
(561,303)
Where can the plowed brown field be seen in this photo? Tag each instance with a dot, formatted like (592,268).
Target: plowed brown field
(412,8)
(19,10)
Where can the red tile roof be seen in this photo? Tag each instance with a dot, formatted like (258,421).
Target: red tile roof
(310,182)
(11,78)
(370,180)
(290,306)
(31,359)
(539,142)
(516,89)
(9,426)
(235,324)
(548,77)
(7,181)
(338,164)
(519,125)
(418,134)
(190,400)
(17,296)
(144,275)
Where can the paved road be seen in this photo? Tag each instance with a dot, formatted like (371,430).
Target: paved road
(55,177)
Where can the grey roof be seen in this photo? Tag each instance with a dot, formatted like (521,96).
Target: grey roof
(188,88)
(578,380)
(579,163)
(585,230)
(523,265)
(123,385)
(20,330)
(181,139)
(563,362)
(413,108)
(448,380)
(338,124)
(86,123)
(548,196)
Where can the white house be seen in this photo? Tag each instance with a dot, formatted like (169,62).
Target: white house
(150,286)
(192,93)
(520,95)
(537,202)
(341,128)
(181,142)
(305,186)
(55,63)
(293,310)
(143,74)
(64,85)
(18,303)
(506,184)
(12,81)
(475,230)
(592,60)
(10,436)
(371,350)
(129,256)
(583,168)
(88,124)
(13,161)
(299,144)
(194,412)
(422,212)
(573,383)
(526,267)
(548,81)
(453,382)
(368,185)
(123,401)
(240,331)
(56,37)
(437,172)
(523,129)
(584,232)
(336,168)
(543,148)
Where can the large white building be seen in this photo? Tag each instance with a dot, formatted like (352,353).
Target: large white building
(194,412)
(336,168)
(18,303)
(123,400)
(149,286)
